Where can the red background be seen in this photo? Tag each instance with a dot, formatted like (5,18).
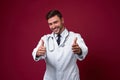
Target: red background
(23,23)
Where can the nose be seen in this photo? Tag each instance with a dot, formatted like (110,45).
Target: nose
(53,26)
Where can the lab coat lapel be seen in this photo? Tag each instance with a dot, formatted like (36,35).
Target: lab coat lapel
(55,42)
(64,35)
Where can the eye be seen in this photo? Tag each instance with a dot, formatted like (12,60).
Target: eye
(55,22)
(49,24)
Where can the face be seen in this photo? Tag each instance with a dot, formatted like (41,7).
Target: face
(56,24)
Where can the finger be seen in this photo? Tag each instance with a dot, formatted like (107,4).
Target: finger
(74,45)
(42,43)
(75,40)
(42,51)
(42,48)
(76,51)
(74,48)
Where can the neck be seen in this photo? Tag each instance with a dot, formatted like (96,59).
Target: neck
(62,30)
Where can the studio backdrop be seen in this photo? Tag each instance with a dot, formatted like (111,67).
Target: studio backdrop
(23,23)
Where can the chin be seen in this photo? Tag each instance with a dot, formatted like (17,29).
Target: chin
(57,32)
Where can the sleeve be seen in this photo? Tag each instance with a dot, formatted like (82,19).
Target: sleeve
(83,47)
(36,58)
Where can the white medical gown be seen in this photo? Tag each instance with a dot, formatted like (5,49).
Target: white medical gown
(60,60)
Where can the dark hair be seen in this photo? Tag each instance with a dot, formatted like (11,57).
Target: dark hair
(52,13)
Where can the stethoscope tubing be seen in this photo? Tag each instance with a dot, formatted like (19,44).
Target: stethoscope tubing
(50,40)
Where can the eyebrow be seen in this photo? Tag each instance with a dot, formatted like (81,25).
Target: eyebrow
(53,22)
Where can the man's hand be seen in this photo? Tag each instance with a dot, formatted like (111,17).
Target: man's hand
(75,47)
(41,50)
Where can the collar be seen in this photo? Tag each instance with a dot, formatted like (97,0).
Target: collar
(63,34)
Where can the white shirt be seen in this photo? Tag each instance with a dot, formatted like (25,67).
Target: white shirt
(60,60)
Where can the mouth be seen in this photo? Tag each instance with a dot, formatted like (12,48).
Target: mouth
(56,30)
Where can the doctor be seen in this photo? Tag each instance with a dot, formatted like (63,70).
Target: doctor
(60,50)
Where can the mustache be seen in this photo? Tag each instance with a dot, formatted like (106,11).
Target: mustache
(55,28)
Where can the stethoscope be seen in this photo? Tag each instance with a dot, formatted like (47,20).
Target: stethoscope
(50,40)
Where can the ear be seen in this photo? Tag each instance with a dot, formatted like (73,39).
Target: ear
(62,20)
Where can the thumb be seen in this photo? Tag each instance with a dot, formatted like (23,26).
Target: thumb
(42,43)
(75,40)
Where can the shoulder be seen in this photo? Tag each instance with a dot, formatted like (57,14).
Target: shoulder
(47,35)
(44,37)
(74,34)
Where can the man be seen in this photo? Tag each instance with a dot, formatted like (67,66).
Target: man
(60,49)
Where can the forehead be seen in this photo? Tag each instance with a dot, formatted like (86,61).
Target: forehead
(53,19)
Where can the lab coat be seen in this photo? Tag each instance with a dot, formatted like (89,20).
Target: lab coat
(61,61)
